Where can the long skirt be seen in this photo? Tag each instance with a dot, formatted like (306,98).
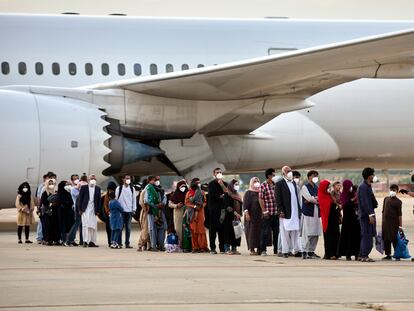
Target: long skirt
(331,236)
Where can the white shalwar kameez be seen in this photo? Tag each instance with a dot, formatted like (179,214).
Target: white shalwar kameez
(289,228)
(89,220)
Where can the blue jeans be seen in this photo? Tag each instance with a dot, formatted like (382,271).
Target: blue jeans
(127,218)
(115,236)
(228,247)
(75,227)
(39,233)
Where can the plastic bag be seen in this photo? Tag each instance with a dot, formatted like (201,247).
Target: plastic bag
(238,229)
(379,243)
(401,250)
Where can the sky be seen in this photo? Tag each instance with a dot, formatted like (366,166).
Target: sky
(308,9)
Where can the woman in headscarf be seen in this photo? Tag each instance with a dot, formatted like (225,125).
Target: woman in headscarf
(65,212)
(330,220)
(50,203)
(252,216)
(233,212)
(349,240)
(195,200)
(177,202)
(25,208)
(104,211)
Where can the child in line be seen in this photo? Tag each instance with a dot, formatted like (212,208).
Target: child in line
(115,219)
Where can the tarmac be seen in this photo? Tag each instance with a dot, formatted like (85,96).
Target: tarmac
(36,277)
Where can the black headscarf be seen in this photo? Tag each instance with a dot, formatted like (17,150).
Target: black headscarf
(25,196)
(65,198)
(178,196)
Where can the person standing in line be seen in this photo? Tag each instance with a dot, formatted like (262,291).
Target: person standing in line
(127,197)
(253,216)
(50,204)
(270,217)
(64,212)
(196,200)
(330,220)
(216,210)
(104,211)
(391,220)
(177,203)
(39,192)
(233,213)
(296,179)
(144,237)
(115,219)
(350,237)
(25,208)
(161,219)
(154,202)
(89,199)
(287,203)
(367,203)
(77,225)
(311,223)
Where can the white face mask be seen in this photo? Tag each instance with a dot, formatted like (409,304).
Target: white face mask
(182,189)
(315,180)
(92,182)
(219,176)
(274,179)
(289,176)
(25,189)
(256,185)
(350,189)
(375,179)
(296,180)
(68,188)
(393,194)
(127,181)
(76,181)
(51,186)
(236,187)
(157,183)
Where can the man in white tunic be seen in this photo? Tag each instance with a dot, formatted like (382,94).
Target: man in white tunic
(89,197)
(311,227)
(287,203)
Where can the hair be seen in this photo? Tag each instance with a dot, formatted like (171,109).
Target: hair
(296,174)
(51,175)
(111,195)
(126,176)
(216,169)
(368,171)
(269,172)
(394,187)
(84,177)
(73,176)
(312,173)
(25,197)
(336,183)
(151,177)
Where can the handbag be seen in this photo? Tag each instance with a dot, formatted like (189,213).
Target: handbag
(238,229)
(401,250)
(379,243)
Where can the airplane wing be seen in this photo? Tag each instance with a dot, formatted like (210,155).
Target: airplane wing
(300,73)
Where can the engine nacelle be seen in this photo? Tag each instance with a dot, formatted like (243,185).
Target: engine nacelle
(40,133)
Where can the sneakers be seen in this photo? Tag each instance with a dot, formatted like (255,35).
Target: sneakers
(28,242)
(286,255)
(298,254)
(213,252)
(128,246)
(20,242)
(388,257)
(305,256)
(91,244)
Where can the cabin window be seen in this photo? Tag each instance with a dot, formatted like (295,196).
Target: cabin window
(72,69)
(105,69)
(121,69)
(153,69)
(185,67)
(137,69)
(55,69)
(22,68)
(169,68)
(39,68)
(200,66)
(5,68)
(88,69)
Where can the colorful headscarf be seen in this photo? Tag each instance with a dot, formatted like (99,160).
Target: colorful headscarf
(347,191)
(325,201)
(251,184)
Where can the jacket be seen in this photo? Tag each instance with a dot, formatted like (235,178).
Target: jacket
(83,199)
(283,203)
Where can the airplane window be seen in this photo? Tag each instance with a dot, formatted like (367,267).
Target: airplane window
(56,68)
(200,66)
(5,68)
(184,67)
(22,68)
(121,69)
(137,69)
(72,69)
(169,68)
(153,69)
(105,69)
(88,69)
(39,68)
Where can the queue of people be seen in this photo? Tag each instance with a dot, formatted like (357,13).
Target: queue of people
(278,212)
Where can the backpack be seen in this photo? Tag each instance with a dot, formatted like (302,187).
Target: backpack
(121,187)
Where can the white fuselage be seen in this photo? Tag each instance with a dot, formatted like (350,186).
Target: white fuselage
(359,123)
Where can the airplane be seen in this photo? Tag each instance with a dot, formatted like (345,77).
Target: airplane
(144,95)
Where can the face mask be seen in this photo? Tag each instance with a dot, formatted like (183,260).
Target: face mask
(375,179)
(157,183)
(296,180)
(76,181)
(289,176)
(92,182)
(182,189)
(315,180)
(274,179)
(393,194)
(236,187)
(219,176)
(25,189)
(199,185)
(256,185)
(68,188)
(127,181)
(51,186)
